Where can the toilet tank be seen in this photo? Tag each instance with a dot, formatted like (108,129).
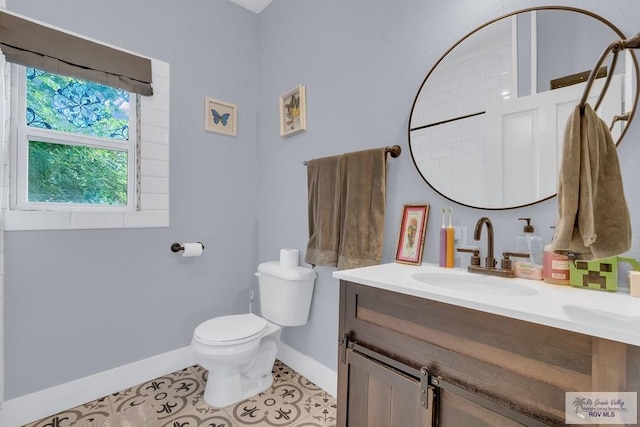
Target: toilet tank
(285,293)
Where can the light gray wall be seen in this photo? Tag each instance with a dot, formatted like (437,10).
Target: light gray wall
(362,62)
(81,302)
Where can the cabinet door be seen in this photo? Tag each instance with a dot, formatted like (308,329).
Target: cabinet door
(456,411)
(379,396)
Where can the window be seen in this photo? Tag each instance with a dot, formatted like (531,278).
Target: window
(76,143)
(146,206)
(84,156)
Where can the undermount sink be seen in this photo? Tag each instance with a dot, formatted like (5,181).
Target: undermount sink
(487,285)
(602,317)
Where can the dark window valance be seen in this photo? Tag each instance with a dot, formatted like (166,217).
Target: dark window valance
(30,44)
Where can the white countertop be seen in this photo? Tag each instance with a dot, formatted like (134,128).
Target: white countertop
(611,315)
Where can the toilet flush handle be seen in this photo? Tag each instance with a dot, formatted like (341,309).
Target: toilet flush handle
(258,274)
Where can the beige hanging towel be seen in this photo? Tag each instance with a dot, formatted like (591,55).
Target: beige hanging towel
(324,181)
(363,208)
(346,215)
(593,219)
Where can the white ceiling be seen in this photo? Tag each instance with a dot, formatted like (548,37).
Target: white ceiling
(255,6)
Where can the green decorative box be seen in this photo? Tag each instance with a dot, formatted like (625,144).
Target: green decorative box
(600,274)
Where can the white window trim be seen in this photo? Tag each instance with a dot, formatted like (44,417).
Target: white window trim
(153,210)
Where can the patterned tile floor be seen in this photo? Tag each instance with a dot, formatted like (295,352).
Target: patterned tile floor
(176,400)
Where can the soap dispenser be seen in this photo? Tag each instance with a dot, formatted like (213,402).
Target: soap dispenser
(530,243)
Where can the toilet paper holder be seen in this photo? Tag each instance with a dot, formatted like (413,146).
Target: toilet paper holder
(177,247)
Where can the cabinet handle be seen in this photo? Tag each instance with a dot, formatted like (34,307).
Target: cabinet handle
(343,341)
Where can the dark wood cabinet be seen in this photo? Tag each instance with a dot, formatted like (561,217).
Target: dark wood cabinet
(458,411)
(381,396)
(482,369)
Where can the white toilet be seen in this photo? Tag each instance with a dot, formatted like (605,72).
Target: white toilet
(239,350)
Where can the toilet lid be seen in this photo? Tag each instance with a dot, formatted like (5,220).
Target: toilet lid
(233,328)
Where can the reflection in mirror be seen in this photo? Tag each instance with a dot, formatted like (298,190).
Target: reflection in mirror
(487,125)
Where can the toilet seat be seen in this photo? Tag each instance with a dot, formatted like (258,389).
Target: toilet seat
(232,329)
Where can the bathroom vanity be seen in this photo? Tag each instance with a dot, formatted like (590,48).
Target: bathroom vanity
(423,346)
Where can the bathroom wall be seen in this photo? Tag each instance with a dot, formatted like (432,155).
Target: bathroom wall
(362,62)
(81,302)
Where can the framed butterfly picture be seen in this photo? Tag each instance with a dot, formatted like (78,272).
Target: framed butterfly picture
(221,117)
(293,111)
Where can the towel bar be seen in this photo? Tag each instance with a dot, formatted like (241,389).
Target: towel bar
(394,151)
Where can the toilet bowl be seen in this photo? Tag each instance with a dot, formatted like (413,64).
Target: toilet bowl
(239,350)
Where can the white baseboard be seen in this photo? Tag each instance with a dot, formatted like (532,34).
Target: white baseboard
(314,371)
(32,407)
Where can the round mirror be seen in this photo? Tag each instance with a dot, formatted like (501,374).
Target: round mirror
(487,125)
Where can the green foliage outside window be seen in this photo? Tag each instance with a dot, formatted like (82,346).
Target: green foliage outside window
(75,174)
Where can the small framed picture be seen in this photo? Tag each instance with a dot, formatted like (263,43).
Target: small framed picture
(412,233)
(293,111)
(221,117)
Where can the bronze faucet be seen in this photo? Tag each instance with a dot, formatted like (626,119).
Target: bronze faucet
(490,261)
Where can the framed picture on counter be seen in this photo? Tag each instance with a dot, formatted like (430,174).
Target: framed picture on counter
(412,234)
